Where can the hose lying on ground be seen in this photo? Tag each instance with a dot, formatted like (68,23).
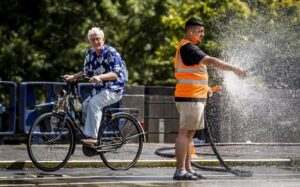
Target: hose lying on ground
(226,168)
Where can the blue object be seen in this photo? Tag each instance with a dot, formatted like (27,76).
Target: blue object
(84,90)
(36,98)
(108,61)
(8,108)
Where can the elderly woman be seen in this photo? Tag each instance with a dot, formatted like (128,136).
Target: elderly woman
(106,69)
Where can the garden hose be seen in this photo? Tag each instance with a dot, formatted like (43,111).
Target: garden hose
(226,168)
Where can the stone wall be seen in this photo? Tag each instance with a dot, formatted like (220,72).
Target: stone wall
(156,109)
(275,118)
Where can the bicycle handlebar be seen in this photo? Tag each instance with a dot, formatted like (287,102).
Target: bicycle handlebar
(83,77)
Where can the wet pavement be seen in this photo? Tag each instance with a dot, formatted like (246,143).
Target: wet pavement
(263,176)
(272,165)
(16,156)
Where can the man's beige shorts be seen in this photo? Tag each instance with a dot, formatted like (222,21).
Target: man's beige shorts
(191,115)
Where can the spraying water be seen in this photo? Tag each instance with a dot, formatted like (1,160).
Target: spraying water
(264,107)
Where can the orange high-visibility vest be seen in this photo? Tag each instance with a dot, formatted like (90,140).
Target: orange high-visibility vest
(192,81)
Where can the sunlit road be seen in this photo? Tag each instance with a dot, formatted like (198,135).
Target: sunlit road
(268,176)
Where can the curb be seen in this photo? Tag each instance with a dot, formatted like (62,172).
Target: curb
(21,164)
(295,162)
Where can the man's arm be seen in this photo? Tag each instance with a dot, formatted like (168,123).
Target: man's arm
(104,77)
(74,76)
(219,64)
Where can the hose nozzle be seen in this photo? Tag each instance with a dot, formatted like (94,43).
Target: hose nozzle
(216,88)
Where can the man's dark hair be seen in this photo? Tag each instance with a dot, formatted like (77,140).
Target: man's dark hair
(193,22)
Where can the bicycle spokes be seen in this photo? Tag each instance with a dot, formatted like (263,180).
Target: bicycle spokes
(50,142)
(120,140)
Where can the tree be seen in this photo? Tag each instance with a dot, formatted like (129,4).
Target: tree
(41,40)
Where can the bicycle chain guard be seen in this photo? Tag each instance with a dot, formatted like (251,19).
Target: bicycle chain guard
(89,151)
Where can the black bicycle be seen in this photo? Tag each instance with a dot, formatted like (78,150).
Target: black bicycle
(52,138)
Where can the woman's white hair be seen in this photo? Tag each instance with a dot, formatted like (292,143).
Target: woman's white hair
(95,30)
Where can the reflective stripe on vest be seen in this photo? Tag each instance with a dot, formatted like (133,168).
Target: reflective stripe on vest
(179,69)
(189,81)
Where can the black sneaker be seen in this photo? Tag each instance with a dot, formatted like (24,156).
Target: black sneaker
(187,176)
(197,174)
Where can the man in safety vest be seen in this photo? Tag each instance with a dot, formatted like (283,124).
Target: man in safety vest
(191,93)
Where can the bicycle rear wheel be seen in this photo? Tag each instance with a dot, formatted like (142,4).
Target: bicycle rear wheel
(50,142)
(121,142)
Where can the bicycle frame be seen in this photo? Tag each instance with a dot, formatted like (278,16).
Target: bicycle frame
(69,108)
(117,128)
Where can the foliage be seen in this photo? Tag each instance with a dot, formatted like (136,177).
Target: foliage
(41,40)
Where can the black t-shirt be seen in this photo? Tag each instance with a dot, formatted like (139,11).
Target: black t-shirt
(191,54)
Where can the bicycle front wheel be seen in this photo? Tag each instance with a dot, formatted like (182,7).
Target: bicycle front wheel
(50,142)
(121,142)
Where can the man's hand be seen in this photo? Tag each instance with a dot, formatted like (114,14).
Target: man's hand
(209,92)
(240,72)
(69,77)
(95,79)
(73,77)
(213,89)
